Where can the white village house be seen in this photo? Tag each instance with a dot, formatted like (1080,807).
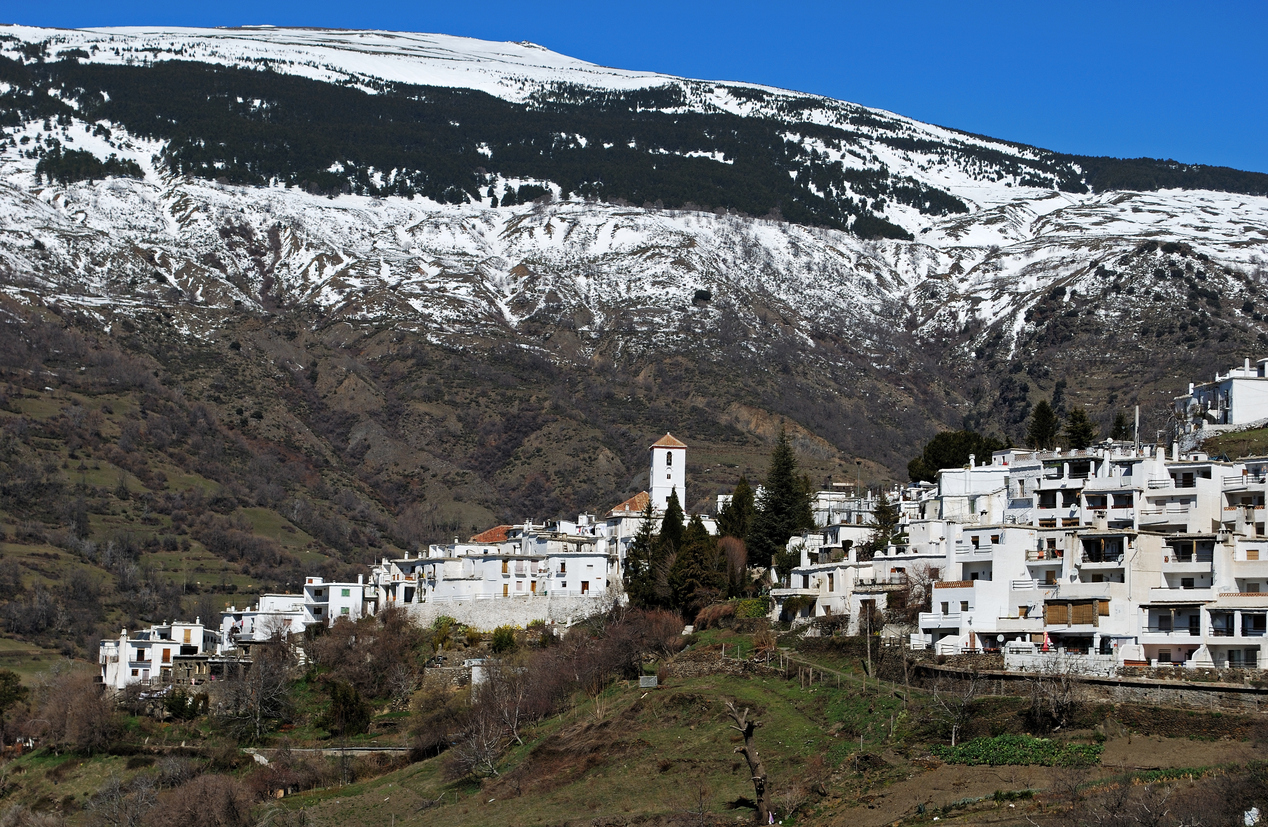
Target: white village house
(1120,554)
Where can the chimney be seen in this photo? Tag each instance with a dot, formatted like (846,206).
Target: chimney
(1175,452)
(1246,366)
(972,460)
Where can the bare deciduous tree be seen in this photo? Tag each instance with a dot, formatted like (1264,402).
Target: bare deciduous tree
(953,700)
(761,789)
(253,701)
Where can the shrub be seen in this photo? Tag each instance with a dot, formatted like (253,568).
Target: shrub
(503,639)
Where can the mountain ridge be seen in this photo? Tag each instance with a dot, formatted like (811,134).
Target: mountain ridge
(688,309)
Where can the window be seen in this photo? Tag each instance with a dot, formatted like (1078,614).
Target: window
(563,566)
(344,610)
(347,592)
(563,585)
(831,582)
(994,539)
(134,673)
(505,570)
(187,633)
(1186,582)
(585,586)
(317,611)
(1098,578)
(805,581)
(964,605)
(167,656)
(1164,656)
(669,459)
(506,590)
(944,607)
(1021,488)
(975,540)
(1252,554)
(318,592)
(1069,498)
(1252,588)
(1023,611)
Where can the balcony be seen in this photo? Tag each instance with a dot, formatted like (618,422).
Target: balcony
(1164,595)
(1235,481)
(1048,555)
(1242,600)
(1179,635)
(879,584)
(1012,625)
(954,584)
(1157,484)
(933,620)
(1108,484)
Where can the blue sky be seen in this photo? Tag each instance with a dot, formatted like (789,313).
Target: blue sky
(1186,81)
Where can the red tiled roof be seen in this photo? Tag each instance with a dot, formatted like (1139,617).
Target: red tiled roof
(497,534)
(667,441)
(636,504)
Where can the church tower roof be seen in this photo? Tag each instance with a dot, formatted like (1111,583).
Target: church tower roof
(668,441)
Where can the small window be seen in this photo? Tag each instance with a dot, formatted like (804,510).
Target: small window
(563,585)
(974,540)
(167,656)
(563,566)
(318,592)
(964,605)
(994,539)
(1164,656)
(344,610)
(134,673)
(944,607)
(1252,588)
(585,586)
(1186,582)
(669,459)
(347,592)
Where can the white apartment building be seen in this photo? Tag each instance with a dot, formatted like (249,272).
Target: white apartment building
(1126,556)
(1238,397)
(149,655)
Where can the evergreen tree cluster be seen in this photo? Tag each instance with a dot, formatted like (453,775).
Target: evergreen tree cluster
(680,566)
(951,449)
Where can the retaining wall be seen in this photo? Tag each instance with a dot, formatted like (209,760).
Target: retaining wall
(511,611)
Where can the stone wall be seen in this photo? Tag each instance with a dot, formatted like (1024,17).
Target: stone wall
(1187,694)
(511,611)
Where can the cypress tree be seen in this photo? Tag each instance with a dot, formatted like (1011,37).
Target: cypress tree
(785,505)
(640,563)
(736,517)
(1079,430)
(671,527)
(1044,427)
(1122,429)
(694,579)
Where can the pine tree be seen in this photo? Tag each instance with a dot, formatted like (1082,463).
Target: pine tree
(640,563)
(1079,430)
(885,517)
(736,517)
(785,505)
(1121,429)
(1044,427)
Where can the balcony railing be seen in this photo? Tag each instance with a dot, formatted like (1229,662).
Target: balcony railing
(1039,555)
(1234,480)
(1167,483)
(954,584)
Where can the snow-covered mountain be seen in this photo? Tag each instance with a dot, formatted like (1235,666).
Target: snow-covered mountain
(931,277)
